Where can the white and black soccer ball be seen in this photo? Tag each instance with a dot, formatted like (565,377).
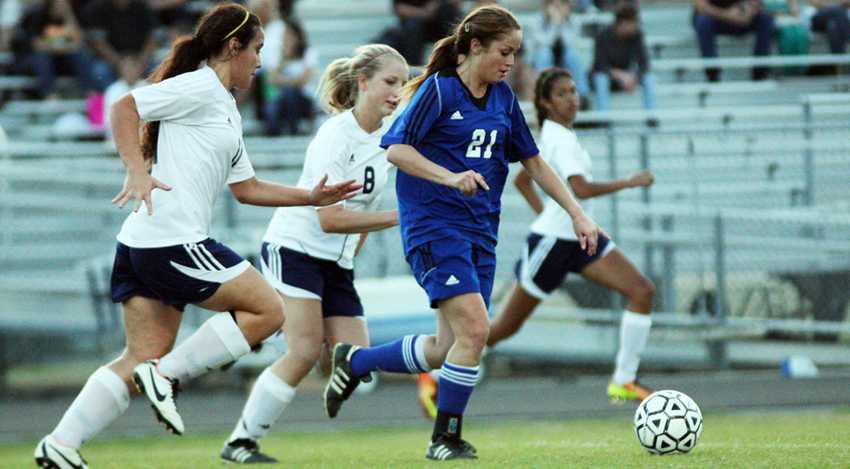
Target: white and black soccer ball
(668,422)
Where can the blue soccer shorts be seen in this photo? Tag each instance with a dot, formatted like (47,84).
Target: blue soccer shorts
(449,267)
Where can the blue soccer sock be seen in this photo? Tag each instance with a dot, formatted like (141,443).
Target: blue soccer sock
(405,355)
(456,386)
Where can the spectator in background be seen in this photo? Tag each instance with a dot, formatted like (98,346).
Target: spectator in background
(10,15)
(48,42)
(832,20)
(551,42)
(732,17)
(131,78)
(620,60)
(117,29)
(420,22)
(273,27)
(173,14)
(290,85)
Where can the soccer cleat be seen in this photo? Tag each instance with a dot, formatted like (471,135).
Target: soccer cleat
(342,381)
(161,392)
(245,451)
(52,455)
(633,391)
(446,447)
(427,395)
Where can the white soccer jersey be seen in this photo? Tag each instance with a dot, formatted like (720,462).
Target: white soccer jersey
(342,150)
(560,148)
(200,149)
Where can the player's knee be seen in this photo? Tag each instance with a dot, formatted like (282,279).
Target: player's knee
(644,291)
(474,335)
(272,314)
(305,348)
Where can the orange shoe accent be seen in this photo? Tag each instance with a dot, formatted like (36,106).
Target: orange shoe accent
(427,394)
(633,391)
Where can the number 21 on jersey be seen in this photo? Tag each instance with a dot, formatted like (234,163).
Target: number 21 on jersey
(478,138)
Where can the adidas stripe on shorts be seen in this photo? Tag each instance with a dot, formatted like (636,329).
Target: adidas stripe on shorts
(176,275)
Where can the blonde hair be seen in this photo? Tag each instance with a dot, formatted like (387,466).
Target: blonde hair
(338,88)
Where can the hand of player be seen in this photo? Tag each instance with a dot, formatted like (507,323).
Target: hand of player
(138,186)
(323,194)
(641,179)
(587,232)
(468,182)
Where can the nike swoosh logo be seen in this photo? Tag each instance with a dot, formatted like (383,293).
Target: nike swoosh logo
(159,396)
(70,463)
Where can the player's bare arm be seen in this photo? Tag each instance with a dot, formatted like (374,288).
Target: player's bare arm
(409,160)
(542,174)
(138,183)
(338,219)
(255,191)
(584,189)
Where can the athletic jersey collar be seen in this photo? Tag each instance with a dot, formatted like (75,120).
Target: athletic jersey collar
(480,103)
(359,132)
(206,68)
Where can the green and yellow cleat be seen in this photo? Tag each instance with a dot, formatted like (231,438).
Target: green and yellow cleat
(634,391)
(427,394)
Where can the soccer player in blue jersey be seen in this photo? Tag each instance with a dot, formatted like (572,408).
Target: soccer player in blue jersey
(452,146)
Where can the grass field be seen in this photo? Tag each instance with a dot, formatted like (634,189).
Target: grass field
(787,440)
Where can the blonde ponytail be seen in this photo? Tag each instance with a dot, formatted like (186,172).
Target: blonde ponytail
(338,88)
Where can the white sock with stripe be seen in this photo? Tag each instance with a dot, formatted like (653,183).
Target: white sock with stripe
(102,400)
(634,332)
(217,342)
(269,397)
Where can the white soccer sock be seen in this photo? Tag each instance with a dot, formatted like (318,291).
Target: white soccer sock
(217,342)
(102,400)
(634,330)
(268,399)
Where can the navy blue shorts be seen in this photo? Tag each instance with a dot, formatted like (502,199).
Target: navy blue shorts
(449,267)
(546,261)
(298,275)
(175,275)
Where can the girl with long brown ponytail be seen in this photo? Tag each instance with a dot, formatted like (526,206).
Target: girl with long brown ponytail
(452,145)
(192,146)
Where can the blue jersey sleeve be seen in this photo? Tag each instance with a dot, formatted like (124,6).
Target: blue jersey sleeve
(522,144)
(416,120)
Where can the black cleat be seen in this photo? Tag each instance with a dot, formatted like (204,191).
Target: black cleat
(342,381)
(245,451)
(446,447)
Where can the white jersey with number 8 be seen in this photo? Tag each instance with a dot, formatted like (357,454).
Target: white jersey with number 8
(342,150)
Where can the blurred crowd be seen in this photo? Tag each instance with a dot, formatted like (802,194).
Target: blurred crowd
(110,45)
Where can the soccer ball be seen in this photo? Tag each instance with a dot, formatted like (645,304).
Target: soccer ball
(668,422)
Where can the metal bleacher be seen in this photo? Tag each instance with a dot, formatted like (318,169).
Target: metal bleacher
(765,161)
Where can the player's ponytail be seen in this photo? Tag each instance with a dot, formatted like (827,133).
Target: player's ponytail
(212,35)
(487,24)
(543,89)
(338,88)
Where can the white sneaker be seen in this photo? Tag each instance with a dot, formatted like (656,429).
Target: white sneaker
(50,454)
(161,391)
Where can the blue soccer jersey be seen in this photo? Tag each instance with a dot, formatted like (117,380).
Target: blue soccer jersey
(453,129)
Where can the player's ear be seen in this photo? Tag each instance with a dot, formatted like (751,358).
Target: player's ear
(362,83)
(475,46)
(233,46)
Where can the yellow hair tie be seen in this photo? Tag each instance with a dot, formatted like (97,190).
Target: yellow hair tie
(247,15)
